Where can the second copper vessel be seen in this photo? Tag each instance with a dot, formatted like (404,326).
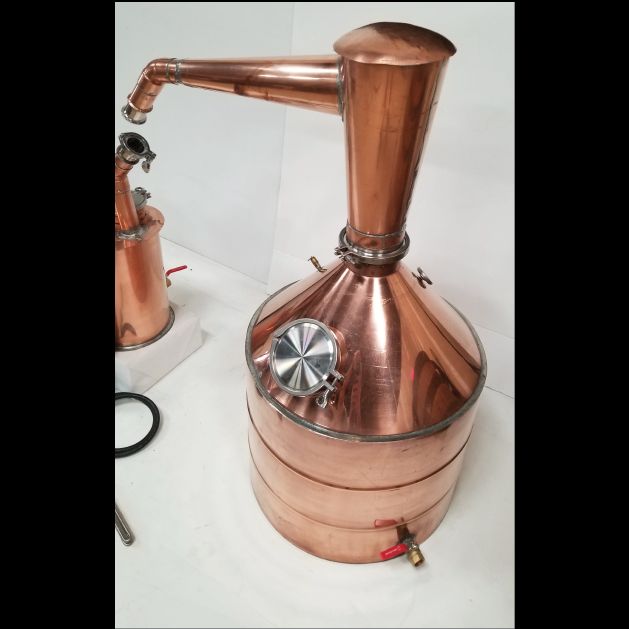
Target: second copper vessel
(142,312)
(362,382)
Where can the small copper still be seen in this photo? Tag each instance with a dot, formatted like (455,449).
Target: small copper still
(362,383)
(143,314)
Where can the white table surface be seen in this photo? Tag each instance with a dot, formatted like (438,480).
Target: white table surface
(205,556)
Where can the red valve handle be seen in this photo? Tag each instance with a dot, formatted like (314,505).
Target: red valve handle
(394,551)
(175,269)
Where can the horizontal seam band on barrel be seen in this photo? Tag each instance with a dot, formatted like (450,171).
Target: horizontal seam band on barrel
(408,522)
(344,488)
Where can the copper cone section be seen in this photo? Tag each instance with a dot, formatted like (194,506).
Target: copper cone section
(391,77)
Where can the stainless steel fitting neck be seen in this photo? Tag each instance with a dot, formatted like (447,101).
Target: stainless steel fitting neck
(133,147)
(358,255)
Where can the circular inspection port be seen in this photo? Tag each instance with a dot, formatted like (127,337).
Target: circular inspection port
(303,354)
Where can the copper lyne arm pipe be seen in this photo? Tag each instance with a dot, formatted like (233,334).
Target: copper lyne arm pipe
(307,82)
(384,81)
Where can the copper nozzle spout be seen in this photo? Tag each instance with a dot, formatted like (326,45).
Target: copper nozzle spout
(133,148)
(415,556)
(131,114)
(308,82)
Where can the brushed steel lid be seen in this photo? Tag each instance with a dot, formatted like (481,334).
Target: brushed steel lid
(303,355)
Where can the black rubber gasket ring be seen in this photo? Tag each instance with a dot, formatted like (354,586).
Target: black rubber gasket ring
(136,447)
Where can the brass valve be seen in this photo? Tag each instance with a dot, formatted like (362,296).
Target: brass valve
(413,554)
(407,546)
(316,264)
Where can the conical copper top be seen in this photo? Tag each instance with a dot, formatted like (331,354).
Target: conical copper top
(410,362)
(395,44)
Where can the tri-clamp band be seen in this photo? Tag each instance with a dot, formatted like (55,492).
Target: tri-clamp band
(358,255)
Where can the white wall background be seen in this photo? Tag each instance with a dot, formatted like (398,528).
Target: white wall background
(260,187)
(217,172)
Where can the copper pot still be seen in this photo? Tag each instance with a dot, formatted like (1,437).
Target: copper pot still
(362,383)
(143,314)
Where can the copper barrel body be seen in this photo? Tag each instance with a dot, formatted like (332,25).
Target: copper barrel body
(340,481)
(380,463)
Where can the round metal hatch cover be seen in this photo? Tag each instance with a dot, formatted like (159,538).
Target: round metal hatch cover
(303,353)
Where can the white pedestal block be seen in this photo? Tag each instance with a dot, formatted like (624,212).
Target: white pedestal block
(139,369)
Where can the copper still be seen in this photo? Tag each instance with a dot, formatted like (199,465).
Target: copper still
(143,314)
(363,383)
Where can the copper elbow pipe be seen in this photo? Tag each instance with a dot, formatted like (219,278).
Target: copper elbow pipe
(307,82)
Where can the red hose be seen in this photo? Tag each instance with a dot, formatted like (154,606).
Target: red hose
(175,269)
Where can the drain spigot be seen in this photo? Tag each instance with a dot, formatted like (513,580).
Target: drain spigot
(409,546)
(413,554)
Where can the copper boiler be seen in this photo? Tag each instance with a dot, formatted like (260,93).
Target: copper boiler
(362,382)
(143,314)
